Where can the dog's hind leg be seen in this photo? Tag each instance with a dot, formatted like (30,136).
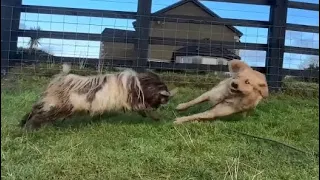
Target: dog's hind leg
(204,97)
(219,110)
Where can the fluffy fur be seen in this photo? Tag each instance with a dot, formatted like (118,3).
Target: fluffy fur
(240,93)
(68,94)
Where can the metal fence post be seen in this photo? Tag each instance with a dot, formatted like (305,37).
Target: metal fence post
(10,20)
(142,31)
(276,43)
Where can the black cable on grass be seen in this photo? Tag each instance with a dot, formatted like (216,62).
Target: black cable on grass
(271,140)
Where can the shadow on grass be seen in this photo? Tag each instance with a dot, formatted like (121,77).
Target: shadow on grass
(78,121)
(84,121)
(128,119)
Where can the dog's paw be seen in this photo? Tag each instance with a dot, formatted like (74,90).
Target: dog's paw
(181,107)
(178,121)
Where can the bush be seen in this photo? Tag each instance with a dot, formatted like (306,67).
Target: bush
(299,88)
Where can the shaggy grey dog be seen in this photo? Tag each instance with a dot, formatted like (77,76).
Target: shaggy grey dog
(68,94)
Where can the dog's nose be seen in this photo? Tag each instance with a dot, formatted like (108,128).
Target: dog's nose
(234,85)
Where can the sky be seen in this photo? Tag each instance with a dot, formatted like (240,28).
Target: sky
(90,49)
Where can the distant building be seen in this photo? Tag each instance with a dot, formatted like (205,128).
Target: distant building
(179,54)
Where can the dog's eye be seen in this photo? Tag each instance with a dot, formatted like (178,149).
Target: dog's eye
(247,81)
(262,85)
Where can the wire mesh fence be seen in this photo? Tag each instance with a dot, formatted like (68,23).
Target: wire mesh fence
(187,42)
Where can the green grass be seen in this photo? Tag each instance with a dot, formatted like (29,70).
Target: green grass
(126,146)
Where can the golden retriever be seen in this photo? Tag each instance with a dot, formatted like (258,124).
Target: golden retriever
(238,94)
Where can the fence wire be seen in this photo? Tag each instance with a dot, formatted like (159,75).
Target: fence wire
(190,42)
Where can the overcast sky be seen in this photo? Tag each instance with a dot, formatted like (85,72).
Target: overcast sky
(77,48)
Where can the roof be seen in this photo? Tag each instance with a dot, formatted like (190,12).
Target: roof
(206,50)
(118,33)
(198,4)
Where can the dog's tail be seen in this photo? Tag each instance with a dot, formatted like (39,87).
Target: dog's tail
(66,68)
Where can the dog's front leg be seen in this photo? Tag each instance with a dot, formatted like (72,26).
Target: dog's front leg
(219,110)
(200,116)
(200,99)
(215,95)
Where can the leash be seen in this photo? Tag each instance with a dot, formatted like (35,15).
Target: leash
(274,141)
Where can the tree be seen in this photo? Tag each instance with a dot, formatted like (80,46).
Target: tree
(34,40)
(313,67)
(311,63)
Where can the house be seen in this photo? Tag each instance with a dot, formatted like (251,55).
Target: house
(214,54)
(203,54)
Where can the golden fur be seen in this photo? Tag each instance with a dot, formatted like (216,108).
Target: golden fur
(240,93)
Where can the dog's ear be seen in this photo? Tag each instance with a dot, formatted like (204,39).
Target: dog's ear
(264,90)
(236,66)
(262,84)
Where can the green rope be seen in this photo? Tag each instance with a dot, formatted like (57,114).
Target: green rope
(271,140)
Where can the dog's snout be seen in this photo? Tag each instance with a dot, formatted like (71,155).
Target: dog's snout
(234,85)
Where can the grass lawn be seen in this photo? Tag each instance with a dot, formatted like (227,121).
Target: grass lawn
(126,146)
